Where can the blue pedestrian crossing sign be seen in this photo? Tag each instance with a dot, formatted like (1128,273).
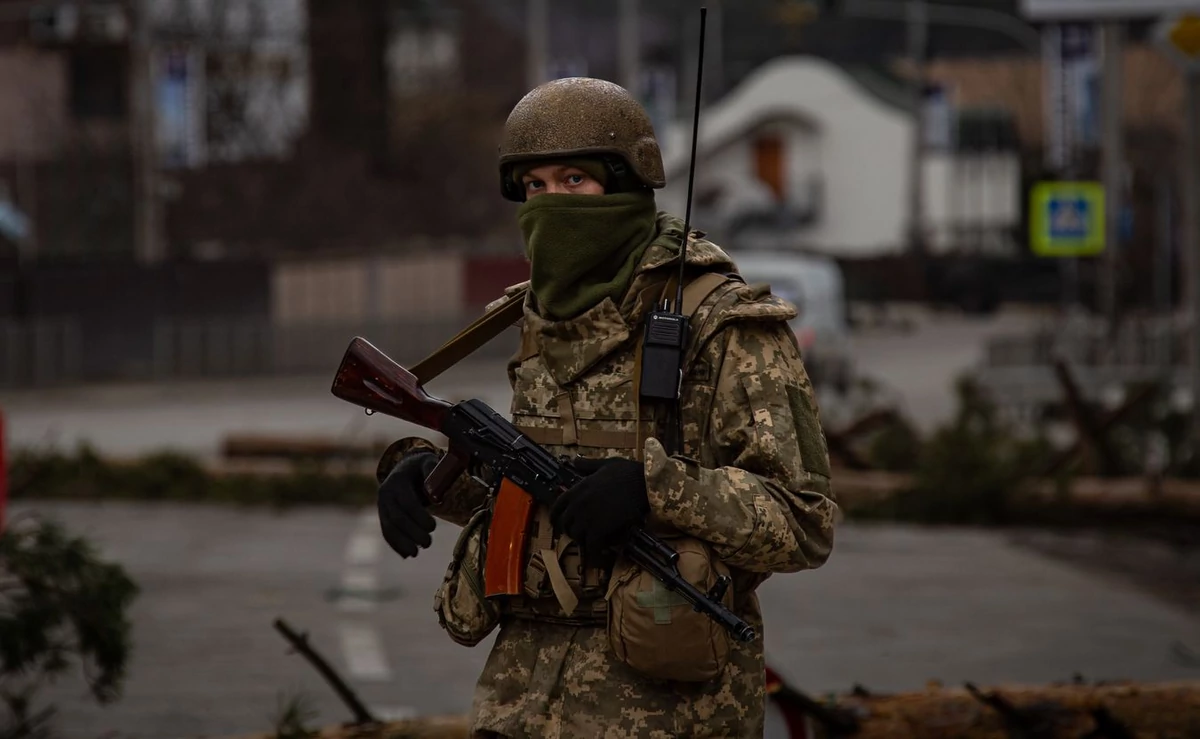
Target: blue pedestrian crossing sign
(1067,219)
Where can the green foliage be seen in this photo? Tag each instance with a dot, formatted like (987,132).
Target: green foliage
(971,469)
(58,602)
(169,476)
(895,447)
(293,715)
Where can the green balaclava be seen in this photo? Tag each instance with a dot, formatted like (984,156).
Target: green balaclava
(584,248)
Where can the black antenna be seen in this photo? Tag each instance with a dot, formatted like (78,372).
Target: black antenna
(666,332)
(687,216)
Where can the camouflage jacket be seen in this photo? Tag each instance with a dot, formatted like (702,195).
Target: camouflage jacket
(752,481)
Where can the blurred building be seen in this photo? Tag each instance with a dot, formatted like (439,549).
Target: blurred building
(1153,121)
(329,128)
(220,81)
(406,102)
(327,167)
(808,155)
(64,125)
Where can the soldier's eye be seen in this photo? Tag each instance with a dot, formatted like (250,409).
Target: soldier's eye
(575,179)
(533,184)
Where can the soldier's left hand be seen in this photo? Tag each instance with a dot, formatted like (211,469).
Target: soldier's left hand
(599,510)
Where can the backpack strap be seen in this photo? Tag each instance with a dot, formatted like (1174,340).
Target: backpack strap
(507,311)
(695,292)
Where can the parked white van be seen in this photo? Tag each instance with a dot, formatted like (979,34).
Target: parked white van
(814,285)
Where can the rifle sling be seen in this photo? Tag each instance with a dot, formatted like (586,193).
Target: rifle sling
(481,331)
(509,311)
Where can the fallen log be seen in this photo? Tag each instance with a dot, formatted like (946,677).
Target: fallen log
(856,488)
(859,488)
(432,727)
(1113,711)
(853,488)
(1105,711)
(264,446)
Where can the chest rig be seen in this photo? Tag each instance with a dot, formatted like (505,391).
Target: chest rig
(597,414)
(593,411)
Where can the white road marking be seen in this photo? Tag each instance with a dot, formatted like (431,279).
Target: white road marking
(363,651)
(360,581)
(394,713)
(358,594)
(363,548)
(351,604)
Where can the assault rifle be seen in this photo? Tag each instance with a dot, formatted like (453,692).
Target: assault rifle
(521,472)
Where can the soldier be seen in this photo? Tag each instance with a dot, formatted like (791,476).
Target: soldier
(748,494)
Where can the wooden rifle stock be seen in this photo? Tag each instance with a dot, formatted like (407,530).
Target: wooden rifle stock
(371,379)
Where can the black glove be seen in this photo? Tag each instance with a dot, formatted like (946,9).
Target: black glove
(600,509)
(405,523)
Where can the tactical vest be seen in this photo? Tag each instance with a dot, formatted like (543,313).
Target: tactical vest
(600,415)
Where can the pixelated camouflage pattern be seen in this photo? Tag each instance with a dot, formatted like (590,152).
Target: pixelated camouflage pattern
(752,481)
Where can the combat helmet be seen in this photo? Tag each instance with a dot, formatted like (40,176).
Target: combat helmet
(581,116)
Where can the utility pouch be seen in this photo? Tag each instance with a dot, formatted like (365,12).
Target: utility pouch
(655,631)
(462,608)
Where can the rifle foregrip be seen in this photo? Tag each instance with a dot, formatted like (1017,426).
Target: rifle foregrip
(444,475)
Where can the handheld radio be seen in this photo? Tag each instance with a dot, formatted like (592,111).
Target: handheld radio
(666,330)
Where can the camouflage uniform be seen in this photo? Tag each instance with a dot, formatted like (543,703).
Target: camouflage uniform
(752,481)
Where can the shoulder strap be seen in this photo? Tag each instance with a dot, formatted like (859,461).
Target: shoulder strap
(700,288)
(481,331)
(695,292)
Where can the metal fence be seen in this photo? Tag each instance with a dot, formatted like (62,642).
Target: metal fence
(43,352)
(1141,343)
(49,353)
(1018,371)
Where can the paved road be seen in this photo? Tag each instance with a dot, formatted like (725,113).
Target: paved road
(895,607)
(133,419)
(921,366)
(918,367)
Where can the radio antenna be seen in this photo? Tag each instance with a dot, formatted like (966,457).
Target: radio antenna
(687,216)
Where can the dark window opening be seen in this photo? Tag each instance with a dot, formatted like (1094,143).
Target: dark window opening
(97,83)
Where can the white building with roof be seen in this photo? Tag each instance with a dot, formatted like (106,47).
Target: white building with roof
(807,155)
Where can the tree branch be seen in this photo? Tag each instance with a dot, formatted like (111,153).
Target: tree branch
(301,645)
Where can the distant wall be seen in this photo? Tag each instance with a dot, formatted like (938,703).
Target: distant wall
(120,321)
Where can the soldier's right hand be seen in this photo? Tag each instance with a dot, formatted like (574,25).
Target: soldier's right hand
(405,523)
